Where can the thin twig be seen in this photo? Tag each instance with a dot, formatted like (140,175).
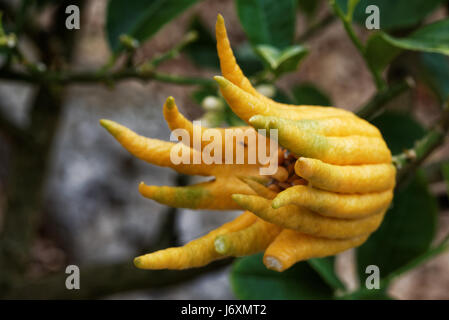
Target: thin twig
(316,27)
(189,38)
(378,102)
(347,24)
(66,78)
(442,247)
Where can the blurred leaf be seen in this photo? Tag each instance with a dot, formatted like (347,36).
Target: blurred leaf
(140,19)
(430,38)
(247,59)
(204,91)
(409,225)
(325,268)
(380,53)
(282,97)
(232,119)
(406,232)
(436,73)
(394,14)
(308,94)
(203,52)
(352,4)
(270,22)
(374,294)
(250,279)
(282,61)
(399,130)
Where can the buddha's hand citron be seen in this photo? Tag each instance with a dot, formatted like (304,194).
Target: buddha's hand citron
(332,188)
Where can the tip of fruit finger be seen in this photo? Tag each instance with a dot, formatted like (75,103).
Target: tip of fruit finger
(111,126)
(272,263)
(138,262)
(276,204)
(222,82)
(170,102)
(220,245)
(238,198)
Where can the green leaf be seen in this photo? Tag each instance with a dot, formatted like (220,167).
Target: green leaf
(379,52)
(270,22)
(140,19)
(281,61)
(203,52)
(282,97)
(250,279)
(308,94)
(325,268)
(232,119)
(409,225)
(247,59)
(406,232)
(430,38)
(352,4)
(394,14)
(374,294)
(204,91)
(399,130)
(435,69)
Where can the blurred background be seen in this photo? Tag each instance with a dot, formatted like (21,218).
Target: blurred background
(71,196)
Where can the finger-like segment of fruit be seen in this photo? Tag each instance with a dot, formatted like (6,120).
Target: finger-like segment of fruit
(347,179)
(251,240)
(231,70)
(349,150)
(259,188)
(305,221)
(329,127)
(229,67)
(196,253)
(155,151)
(214,195)
(246,105)
(335,205)
(280,175)
(291,246)
(176,120)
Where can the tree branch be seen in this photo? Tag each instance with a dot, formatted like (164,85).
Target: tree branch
(347,24)
(65,78)
(99,281)
(409,160)
(379,101)
(189,38)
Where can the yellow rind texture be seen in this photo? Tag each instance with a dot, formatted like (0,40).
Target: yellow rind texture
(196,253)
(343,160)
(291,246)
